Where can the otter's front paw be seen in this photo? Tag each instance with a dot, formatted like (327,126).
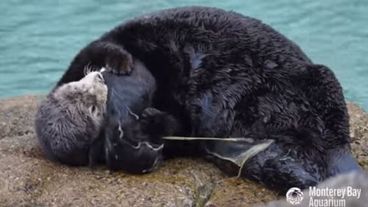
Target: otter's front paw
(127,148)
(159,123)
(119,62)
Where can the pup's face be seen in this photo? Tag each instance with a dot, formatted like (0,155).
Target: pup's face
(70,118)
(88,96)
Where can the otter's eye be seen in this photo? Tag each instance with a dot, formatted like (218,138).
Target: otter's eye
(100,77)
(93,109)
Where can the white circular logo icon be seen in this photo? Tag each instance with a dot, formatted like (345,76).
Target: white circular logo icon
(294,196)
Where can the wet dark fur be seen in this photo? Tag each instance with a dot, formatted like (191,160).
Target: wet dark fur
(222,74)
(132,130)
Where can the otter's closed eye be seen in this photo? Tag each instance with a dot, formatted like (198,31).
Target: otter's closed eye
(93,109)
(100,77)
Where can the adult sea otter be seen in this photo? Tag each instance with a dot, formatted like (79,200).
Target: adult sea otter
(222,74)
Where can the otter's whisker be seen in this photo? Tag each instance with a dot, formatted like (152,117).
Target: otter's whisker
(85,70)
(89,69)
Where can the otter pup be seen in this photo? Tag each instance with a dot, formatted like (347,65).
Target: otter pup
(104,117)
(69,120)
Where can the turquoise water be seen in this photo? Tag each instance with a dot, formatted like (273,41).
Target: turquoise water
(39,38)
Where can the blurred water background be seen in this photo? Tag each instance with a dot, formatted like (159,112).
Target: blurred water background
(39,38)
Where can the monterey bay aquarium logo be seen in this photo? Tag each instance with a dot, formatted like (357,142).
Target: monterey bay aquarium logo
(294,196)
(325,196)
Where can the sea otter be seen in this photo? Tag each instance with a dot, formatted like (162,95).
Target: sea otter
(104,118)
(222,74)
(70,118)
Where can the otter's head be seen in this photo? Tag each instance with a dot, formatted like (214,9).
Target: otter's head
(71,117)
(86,97)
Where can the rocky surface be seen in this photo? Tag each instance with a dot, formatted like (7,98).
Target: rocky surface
(359,134)
(28,179)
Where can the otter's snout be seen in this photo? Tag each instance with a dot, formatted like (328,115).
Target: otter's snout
(94,77)
(98,77)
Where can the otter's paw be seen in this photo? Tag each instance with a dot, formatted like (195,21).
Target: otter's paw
(128,149)
(158,123)
(131,154)
(151,112)
(119,62)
